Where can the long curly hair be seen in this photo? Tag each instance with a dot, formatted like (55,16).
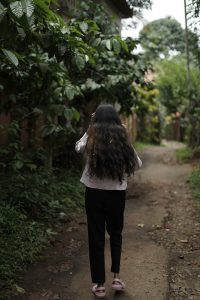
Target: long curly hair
(109,152)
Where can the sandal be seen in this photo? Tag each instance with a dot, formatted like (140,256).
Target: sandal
(99,291)
(118,285)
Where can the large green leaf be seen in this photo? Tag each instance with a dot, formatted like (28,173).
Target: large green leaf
(17,9)
(108,44)
(116,45)
(96,42)
(92,85)
(68,113)
(65,30)
(83,26)
(123,45)
(48,130)
(80,61)
(28,7)
(69,92)
(18,164)
(11,57)
(76,114)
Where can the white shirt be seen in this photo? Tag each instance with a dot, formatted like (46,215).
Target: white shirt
(105,183)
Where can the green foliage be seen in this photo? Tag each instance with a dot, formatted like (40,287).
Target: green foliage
(164,38)
(160,37)
(116,67)
(12,156)
(29,204)
(39,193)
(147,110)
(89,10)
(140,146)
(172,84)
(53,74)
(21,240)
(184,154)
(195,183)
(194,110)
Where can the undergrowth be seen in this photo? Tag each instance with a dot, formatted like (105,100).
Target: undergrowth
(29,205)
(140,146)
(195,183)
(184,154)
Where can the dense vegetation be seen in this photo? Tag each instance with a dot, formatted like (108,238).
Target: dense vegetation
(53,74)
(165,38)
(178,94)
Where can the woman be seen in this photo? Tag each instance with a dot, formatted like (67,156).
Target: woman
(110,158)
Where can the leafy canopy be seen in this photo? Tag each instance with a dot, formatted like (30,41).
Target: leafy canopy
(164,38)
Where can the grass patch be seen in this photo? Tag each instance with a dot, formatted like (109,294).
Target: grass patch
(140,146)
(32,208)
(195,183)
(184,154)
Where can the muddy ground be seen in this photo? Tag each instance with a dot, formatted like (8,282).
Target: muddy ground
(161,245)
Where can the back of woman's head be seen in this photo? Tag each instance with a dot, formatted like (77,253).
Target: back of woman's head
(109,151)
(106,114)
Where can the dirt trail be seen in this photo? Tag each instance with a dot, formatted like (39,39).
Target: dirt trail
(161,249)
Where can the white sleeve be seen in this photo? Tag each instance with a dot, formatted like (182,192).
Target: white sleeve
(138,161)
(80,144)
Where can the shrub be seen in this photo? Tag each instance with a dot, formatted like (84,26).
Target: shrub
(184,154)
(195,183)
(29,205)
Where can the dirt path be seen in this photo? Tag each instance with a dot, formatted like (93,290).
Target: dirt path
(161,250)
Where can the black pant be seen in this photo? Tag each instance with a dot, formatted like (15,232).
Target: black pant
(105,210)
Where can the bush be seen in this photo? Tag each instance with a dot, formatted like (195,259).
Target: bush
(42,195)
(184,154)
(195,183)
(21,239)
(29,205)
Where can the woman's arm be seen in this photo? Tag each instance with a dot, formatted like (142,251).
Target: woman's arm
(81,144)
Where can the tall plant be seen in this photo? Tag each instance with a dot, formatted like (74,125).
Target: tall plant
(53,71)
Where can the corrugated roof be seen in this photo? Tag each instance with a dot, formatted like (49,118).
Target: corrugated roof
(123,8)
